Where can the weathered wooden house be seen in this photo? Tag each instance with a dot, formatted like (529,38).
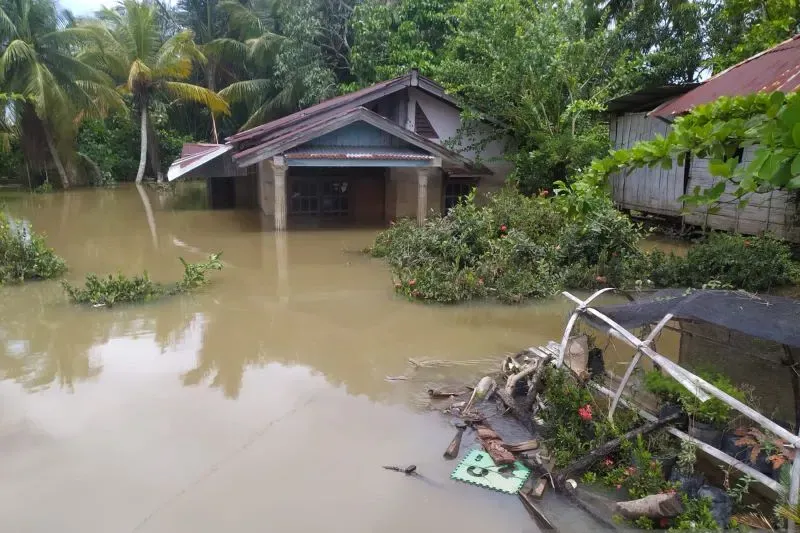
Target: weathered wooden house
(391,150)
(642,115)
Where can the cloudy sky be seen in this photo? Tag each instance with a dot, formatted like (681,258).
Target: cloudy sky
(85,7)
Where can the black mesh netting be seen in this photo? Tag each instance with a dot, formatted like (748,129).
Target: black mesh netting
(773,318)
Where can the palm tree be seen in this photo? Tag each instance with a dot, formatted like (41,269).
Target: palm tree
(208,22)
(53,89)
(131,48)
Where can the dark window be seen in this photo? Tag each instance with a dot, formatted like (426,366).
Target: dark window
(423,126)
(334,198)
(454,190)
(304,198)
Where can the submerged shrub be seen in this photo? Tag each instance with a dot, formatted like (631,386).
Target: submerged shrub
(515,248)
(751,263)
(24,254)
(111,290)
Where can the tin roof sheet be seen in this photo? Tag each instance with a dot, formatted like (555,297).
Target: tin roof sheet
(776,69)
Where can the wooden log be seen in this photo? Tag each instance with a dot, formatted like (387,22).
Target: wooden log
(579,498)
(533,510)
(535,386)
(577,467)
(654,506)
(538,489)
(525,446)
(452,451)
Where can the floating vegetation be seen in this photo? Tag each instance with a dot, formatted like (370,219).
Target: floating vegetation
(115,289)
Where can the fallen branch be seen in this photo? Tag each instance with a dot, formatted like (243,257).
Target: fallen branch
(582,464)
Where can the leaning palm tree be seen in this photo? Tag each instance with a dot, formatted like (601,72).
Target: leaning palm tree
(54,89)
(130,47)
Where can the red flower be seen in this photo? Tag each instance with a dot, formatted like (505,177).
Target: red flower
(503,228)
(544,193)
(608,461)
(585,412)
(412,282)
(663,523)
(631,470)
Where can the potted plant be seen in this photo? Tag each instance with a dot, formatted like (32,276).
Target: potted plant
(708,419)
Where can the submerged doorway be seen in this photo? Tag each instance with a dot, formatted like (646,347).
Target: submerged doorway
(334,196)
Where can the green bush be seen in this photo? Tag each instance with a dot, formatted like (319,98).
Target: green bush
(515,248)
(24,254)
(111,290)
(757,263)
(712,411)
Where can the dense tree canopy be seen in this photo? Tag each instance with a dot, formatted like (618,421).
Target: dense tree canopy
(208,68)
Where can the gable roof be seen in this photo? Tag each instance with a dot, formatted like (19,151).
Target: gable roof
(347,101)
(314,127)
(194,155)
(776,69)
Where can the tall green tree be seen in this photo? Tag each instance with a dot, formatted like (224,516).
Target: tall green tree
(738,29)
(53,89)
(132,49)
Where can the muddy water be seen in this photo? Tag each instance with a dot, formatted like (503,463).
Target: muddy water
(257,404)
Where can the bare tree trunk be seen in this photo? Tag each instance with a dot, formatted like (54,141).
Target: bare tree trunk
(51,145)
(143,149)
(210,73)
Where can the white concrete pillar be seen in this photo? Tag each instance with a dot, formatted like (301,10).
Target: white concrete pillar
(279,173)
(422,195)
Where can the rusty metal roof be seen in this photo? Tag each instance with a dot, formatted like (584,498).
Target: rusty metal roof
(346,101)
(291,138)
(776,69)
(359,153)
(190,149)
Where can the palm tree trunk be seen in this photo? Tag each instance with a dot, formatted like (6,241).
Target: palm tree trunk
(143,149)
(210,73)
(155,156)
(51,145)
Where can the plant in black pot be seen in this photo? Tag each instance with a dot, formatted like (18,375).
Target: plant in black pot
(707,419)
(762,450)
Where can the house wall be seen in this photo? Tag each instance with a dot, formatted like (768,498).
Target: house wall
(652,190)
(446,120)
(774,211)
(246,190)
(657,190)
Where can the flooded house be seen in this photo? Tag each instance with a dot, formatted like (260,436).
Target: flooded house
(642,115)
(395,149)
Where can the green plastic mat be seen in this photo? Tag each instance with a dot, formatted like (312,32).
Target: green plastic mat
(479,469)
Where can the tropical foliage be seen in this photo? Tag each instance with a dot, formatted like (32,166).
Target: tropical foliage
(516,248)
(24,254)
(110,290)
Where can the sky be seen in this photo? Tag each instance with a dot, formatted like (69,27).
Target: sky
(85,7)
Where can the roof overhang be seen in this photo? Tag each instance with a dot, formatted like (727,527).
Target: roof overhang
(197,159)
(280,144)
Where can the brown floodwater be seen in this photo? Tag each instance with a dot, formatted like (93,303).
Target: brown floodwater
(257,404)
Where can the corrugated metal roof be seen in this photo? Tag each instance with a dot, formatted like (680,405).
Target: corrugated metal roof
(359,153)
(293,137)
(190,149)
(648,98)
(776,69)
(199,155)
(343,102)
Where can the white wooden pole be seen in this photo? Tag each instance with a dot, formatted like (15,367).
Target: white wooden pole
(636,357)
(422,195)
(279,177)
